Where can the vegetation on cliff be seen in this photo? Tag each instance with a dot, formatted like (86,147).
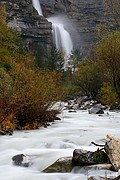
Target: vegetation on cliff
(99,76)
(26,93)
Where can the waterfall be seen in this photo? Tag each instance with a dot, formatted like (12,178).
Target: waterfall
(37,6)
(61,36)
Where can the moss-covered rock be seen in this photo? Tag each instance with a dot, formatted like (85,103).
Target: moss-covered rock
(62,165)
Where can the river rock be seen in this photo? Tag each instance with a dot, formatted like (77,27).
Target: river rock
(22,160)
(6,132)
(62,165)
(100,166)
(112,148)
(96,109)
(84,158)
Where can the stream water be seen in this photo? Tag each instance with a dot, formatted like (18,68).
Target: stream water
(46,145)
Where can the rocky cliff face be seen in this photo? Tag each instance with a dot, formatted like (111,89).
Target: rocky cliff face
(34,29)
(84,15)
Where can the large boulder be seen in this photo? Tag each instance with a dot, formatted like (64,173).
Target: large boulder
(62,165)
(96,109)
(84,158)
(112,148)
(22,160)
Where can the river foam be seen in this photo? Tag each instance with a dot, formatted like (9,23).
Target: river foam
(46,145)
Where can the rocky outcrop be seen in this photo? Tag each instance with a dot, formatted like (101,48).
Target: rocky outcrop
(84,15)
(34,29)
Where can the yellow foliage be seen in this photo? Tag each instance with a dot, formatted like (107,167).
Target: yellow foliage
(2,15)
(108,95)
(89,77)
(8,124)
(24,90)
(108,58)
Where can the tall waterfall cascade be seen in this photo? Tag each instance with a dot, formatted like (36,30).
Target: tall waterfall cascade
(37,6)
(61,36)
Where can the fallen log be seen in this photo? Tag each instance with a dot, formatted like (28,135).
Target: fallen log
(112,149)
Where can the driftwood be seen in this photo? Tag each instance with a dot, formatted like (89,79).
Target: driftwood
(112,149)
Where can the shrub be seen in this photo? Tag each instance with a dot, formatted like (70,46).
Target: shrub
(33,93)
(108,95)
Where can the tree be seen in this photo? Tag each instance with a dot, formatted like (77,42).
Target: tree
(56,60)
(89,78)
(75,58)
(108,95)
(26,93)
(40,57)
(9,40)
(108,57)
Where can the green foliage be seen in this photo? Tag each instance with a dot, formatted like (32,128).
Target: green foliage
(40,59)
(89,78)
(5,65)
(102,30)
(75,59)
(99,157)
(108,95)
(33,94)
(9,41)
(26,93)
(108,58)
(55,60)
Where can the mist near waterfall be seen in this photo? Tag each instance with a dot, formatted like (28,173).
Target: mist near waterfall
(64,34)
(61,36)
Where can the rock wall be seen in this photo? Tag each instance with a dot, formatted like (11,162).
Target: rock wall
(84,15)
(34,29)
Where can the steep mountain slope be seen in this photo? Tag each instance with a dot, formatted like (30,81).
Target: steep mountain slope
(83,15)
(35,29)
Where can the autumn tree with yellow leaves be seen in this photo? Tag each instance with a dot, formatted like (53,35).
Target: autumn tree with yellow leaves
(26,93)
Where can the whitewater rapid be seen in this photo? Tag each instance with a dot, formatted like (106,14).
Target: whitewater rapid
(46,145)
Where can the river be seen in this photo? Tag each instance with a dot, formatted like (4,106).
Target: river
(46,145)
